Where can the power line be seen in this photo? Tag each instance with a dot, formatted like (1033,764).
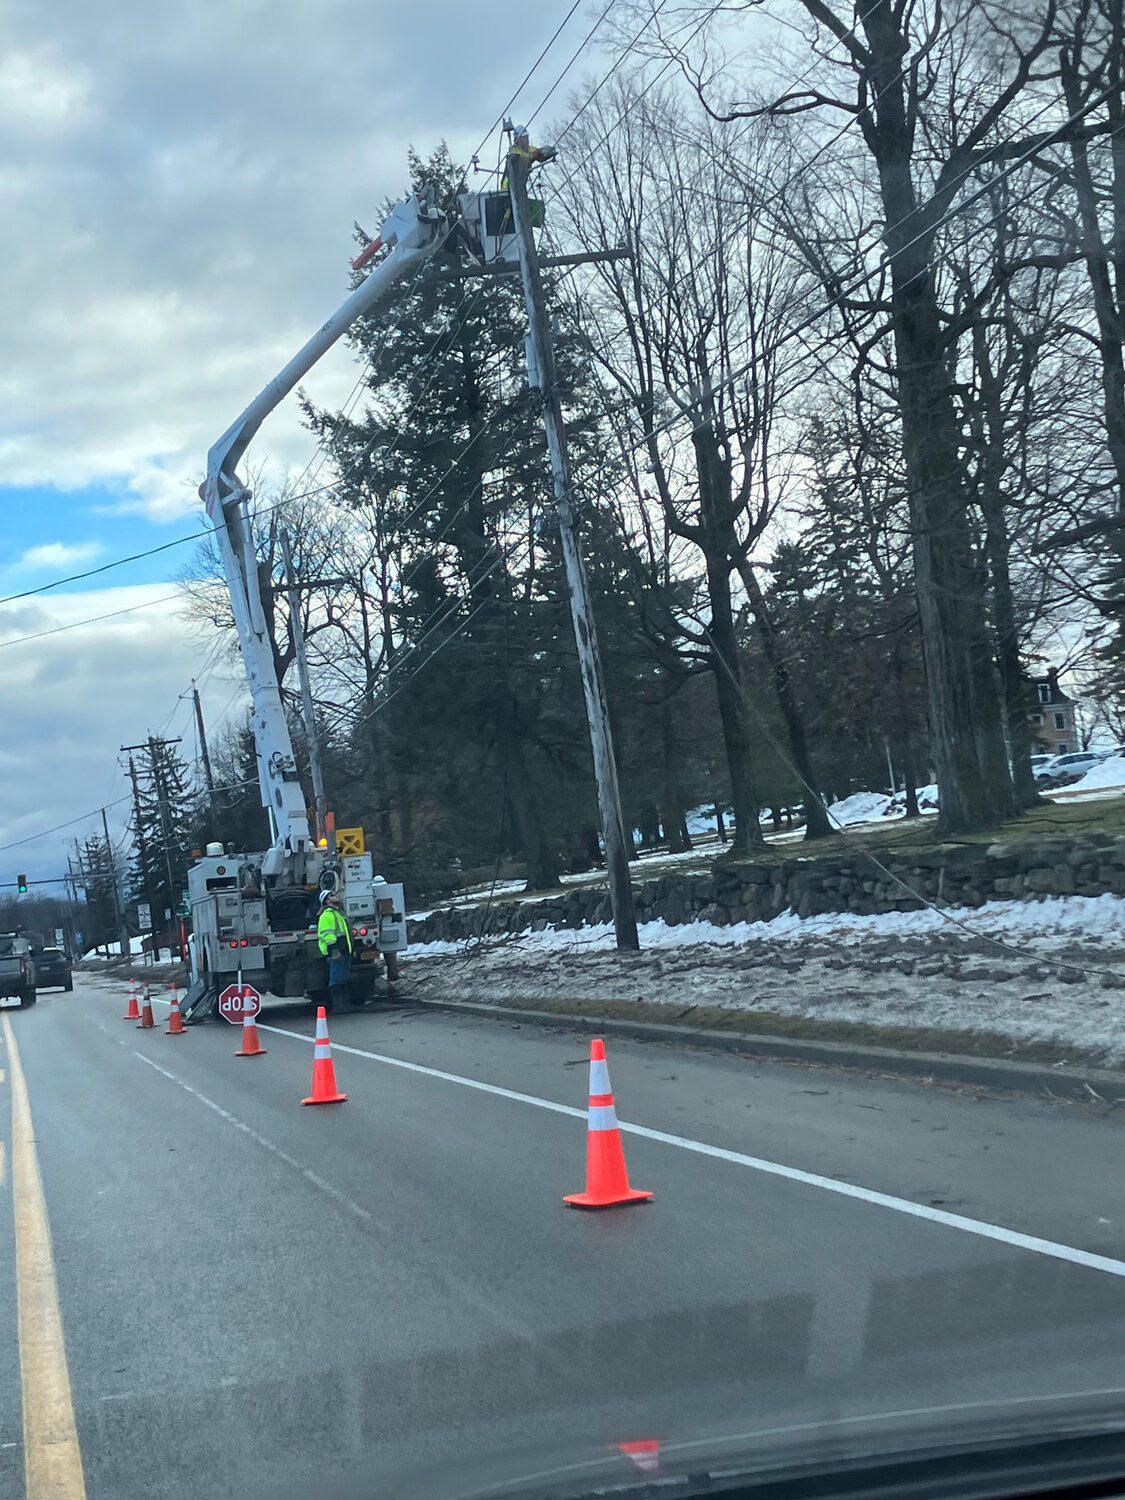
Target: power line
(531,71)
(114,614)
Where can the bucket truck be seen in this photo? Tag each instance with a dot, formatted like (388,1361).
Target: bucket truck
(256,914)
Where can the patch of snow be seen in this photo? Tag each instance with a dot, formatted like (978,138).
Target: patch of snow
(860,807)
(1038,924)
(700,821)
(135,949)
(1111,772)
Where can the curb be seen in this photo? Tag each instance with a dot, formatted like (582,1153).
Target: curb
(1018,1077)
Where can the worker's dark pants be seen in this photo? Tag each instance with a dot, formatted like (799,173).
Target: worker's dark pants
(338,971)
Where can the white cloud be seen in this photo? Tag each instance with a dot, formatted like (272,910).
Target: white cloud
(36,93)
(163,261)
(51,556)
(72,699)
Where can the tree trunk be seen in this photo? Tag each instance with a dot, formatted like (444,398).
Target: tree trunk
(1017,699)
(542,866)
(672,817)
(966,737)
(817,825)
(728,690)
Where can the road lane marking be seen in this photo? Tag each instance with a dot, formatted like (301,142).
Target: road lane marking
(979,1227)
(260,1140)
(52,1457)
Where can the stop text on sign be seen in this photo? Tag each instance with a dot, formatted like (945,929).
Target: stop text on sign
(238,1001)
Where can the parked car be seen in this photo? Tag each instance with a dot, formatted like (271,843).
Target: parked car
(17,970)
(52,968)
(1039,761)
(1073,767)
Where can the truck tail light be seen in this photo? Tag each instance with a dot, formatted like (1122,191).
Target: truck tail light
(363,932)
(234,942)
(243,943)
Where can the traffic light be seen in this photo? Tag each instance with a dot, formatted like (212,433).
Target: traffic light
(21,884)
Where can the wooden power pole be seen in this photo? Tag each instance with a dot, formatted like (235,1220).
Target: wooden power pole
(585,634)
(118,905)
(205,754)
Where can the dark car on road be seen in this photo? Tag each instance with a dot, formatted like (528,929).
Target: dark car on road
(52,969)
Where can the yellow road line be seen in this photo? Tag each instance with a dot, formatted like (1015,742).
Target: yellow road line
(52,1458)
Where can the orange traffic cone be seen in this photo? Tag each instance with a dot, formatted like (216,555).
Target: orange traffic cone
(250,1047)
(146,1013)
(133,1013)
(324,1073)
(606,1178)
(176,1025)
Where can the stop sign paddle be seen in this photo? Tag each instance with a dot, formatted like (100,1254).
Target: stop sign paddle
(238,1001)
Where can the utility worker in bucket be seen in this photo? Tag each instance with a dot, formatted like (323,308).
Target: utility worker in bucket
(334,940)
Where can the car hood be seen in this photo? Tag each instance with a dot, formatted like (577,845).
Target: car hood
(970,1452)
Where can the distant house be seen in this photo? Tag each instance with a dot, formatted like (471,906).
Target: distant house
(1053,729)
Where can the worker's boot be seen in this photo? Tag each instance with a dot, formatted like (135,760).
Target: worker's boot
(341,1005)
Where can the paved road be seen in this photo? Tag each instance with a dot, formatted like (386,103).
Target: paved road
(257,1298)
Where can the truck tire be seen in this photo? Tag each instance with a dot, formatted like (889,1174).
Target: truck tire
(28,997)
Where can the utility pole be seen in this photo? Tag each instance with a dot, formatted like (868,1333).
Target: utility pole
(585,634)
(205,754)
(118,908)
(307,711)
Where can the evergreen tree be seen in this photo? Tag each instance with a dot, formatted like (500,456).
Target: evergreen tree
(163,826)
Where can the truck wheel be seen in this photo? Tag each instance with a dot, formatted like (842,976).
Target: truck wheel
(27,997)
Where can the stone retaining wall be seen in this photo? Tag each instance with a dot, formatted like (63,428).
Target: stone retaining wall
(843,881)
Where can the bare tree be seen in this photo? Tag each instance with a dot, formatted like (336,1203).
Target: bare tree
(701,295)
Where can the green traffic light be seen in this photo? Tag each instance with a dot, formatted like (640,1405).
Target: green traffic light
(21,884)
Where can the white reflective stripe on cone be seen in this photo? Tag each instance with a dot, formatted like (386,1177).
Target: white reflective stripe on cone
(321,1030)
(601,1117)
(599,1076)
(322,1052)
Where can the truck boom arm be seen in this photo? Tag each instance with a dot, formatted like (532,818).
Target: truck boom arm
(413,231)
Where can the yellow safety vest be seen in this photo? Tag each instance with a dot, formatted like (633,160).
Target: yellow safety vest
(331,927)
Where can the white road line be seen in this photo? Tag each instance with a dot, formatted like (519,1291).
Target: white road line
(979,1227)
(260,1140)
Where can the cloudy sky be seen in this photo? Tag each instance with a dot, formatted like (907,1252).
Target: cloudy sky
(179,184)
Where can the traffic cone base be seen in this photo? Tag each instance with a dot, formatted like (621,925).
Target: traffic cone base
(607,1182)
(587,1200)
(324,1090)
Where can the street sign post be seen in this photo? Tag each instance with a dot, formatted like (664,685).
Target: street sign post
(238,1001)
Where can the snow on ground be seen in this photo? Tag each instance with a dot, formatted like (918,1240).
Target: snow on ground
(860,807)
(1023,923)
(114,950)
(1111,772)
(906,969)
